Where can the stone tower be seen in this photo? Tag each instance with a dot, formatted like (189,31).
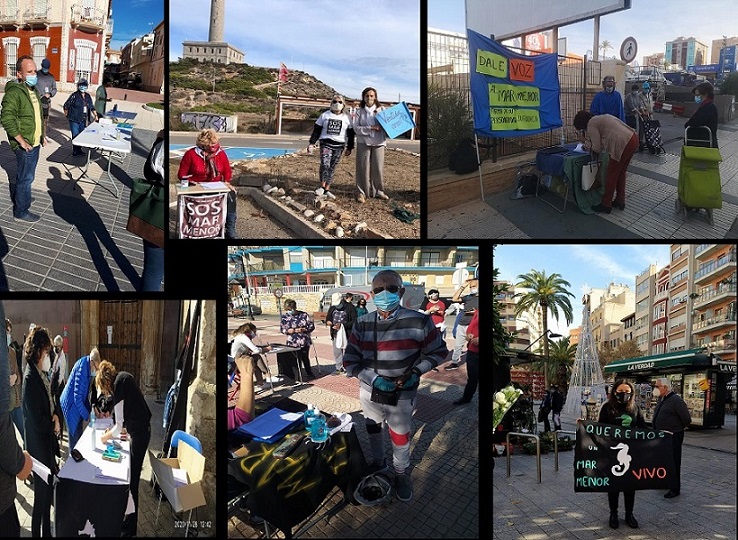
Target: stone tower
(217,20)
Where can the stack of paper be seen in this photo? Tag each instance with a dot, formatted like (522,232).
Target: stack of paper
(272,425)
(115,471)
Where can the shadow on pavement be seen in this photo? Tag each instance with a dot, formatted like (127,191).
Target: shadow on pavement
(75,210)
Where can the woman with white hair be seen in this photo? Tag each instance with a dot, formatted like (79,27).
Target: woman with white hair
(671,415)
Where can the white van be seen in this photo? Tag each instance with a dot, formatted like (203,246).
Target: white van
(412,299)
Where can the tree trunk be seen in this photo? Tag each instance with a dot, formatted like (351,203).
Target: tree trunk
(544,316)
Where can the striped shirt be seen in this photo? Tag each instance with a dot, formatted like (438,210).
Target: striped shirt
(406,338)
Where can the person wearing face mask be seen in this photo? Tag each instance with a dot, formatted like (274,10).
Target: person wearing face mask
(340,319)
(75,401)
(334,131)
(621,410)
(41,424)
(22,119)
(609,100)
(16,383)
(388,351)
(208,162)
(437,311)
(79,110)
(243,345)
(297,326)
(46,84)
(705,115)
(671,415)
(102,99)
(466,294)
(370,145)
(361,308)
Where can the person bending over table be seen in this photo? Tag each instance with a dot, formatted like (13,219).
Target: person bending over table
(75,402)
(132,414)
(242,345)
(606,132)
(244,411)
(41,424)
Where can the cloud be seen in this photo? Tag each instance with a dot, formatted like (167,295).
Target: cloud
(594,257)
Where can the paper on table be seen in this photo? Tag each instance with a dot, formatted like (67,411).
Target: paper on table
(213,185)
(291,416)
(40,469)
(116,471)
(580,148)
(180,477)
(103,423)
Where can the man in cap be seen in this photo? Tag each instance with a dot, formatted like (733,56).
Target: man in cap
(79,109)
(609,100)
(47,87)
(22,119)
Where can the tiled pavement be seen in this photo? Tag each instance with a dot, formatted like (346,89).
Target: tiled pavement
(706,508)
(80,243)
(649,213)
(444,452)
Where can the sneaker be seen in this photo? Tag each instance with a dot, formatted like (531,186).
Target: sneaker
(403,487)
(361,198)
(342,370)
(330,195)
(451,365)
(337,372)
(28,216)
(319,191)
(381,195)
(378,467)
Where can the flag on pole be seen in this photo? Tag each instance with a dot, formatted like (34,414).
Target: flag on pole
(283,72)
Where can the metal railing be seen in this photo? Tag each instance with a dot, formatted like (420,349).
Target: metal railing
(719,319)
(556,446)
(712,293)
(87,14)
(538,450)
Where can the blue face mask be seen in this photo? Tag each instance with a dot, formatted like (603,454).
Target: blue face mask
(698,99)
(83,89)
(31,80)
(44,71)
(387,301)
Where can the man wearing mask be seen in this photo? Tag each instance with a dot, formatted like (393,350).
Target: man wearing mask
(78,109)
(75,402)
(340,319)
(22,120)
(47,85)
(466,294)
(671,415)
(437,310)
(298,325)
(609,100)
(388,351)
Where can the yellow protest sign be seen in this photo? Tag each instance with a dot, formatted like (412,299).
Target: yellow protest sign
(508,118)
(528,119)
(508,95)
(489,63)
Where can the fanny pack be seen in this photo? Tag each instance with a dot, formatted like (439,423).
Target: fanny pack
(384,397)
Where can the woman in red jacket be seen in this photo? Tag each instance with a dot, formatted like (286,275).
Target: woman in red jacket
(208,162)
(472,360)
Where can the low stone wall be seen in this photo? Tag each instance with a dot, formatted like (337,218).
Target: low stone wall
(309,302)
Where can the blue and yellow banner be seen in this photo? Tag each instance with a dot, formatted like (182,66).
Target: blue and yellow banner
(512,94)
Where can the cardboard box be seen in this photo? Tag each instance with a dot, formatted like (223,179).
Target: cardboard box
(187,497)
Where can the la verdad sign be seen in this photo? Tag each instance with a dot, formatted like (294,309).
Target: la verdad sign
(617,458)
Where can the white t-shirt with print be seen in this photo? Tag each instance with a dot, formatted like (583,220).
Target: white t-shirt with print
(334,126)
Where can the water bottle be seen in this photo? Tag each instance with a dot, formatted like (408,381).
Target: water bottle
(115,108)
(309,416)
(319,428)
(92,425)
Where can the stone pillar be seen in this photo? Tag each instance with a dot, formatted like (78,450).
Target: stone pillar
(151,324)
(201,402)
(217,20)
(89,322)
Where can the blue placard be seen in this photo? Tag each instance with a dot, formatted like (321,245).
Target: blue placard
(396,120)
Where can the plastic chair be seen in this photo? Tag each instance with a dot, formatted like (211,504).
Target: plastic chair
(192,441)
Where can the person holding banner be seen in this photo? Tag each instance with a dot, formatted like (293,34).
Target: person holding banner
(370,148)
(208,162)
(671,415)
(606,132)
(334,130)
(621,410)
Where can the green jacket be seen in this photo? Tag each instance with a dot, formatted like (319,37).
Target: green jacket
(17,114)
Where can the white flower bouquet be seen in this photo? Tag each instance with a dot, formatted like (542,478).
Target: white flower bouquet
(504,400)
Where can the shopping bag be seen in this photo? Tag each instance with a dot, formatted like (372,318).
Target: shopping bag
(589,174)
(146,211)
(341,339)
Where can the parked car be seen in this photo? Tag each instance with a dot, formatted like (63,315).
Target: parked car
(243,311)
(413,298)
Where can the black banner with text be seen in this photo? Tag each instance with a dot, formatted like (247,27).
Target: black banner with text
(616,458)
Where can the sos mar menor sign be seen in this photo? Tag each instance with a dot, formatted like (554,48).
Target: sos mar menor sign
(202,216)
(512,94)
(618,458)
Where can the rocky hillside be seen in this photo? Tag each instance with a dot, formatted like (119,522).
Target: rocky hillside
(248,91)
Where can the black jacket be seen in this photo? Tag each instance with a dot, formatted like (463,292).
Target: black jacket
(614,415)
(671,414)
(705,115)
(348,323)
(557,402)
(41,442)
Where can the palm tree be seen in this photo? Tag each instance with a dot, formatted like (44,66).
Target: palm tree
(559,362)
(548,293)
(604,46)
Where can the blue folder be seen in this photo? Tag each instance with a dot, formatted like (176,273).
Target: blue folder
(270,426)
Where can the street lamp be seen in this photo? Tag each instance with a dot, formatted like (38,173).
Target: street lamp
(545,359)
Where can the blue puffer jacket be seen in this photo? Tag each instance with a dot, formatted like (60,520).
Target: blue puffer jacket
(75,402)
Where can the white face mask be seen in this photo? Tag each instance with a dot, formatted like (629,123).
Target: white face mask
(46,363)
(656,392)
(10,339)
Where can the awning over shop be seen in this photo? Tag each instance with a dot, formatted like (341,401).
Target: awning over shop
(692,357)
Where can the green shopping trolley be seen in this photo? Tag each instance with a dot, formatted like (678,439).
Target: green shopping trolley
(699,176)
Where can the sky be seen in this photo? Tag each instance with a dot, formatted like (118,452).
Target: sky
(134,18)
(652,24)
(347,45)
(594,266)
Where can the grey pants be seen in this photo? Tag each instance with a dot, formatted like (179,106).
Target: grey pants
(369,169)
(399,419)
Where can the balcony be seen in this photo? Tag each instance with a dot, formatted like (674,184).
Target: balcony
(109,27)
(320,264)
(10,16)
(714,296)
(713,323)
(721,346)
(716,268)
(37,15)
(88,18)
(703,250)
(661,295)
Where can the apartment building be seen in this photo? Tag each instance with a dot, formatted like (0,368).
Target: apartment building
(660,312)
(714,303)
(508,318)
(617,301)
(680,300)
(645,287)
(628,326)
